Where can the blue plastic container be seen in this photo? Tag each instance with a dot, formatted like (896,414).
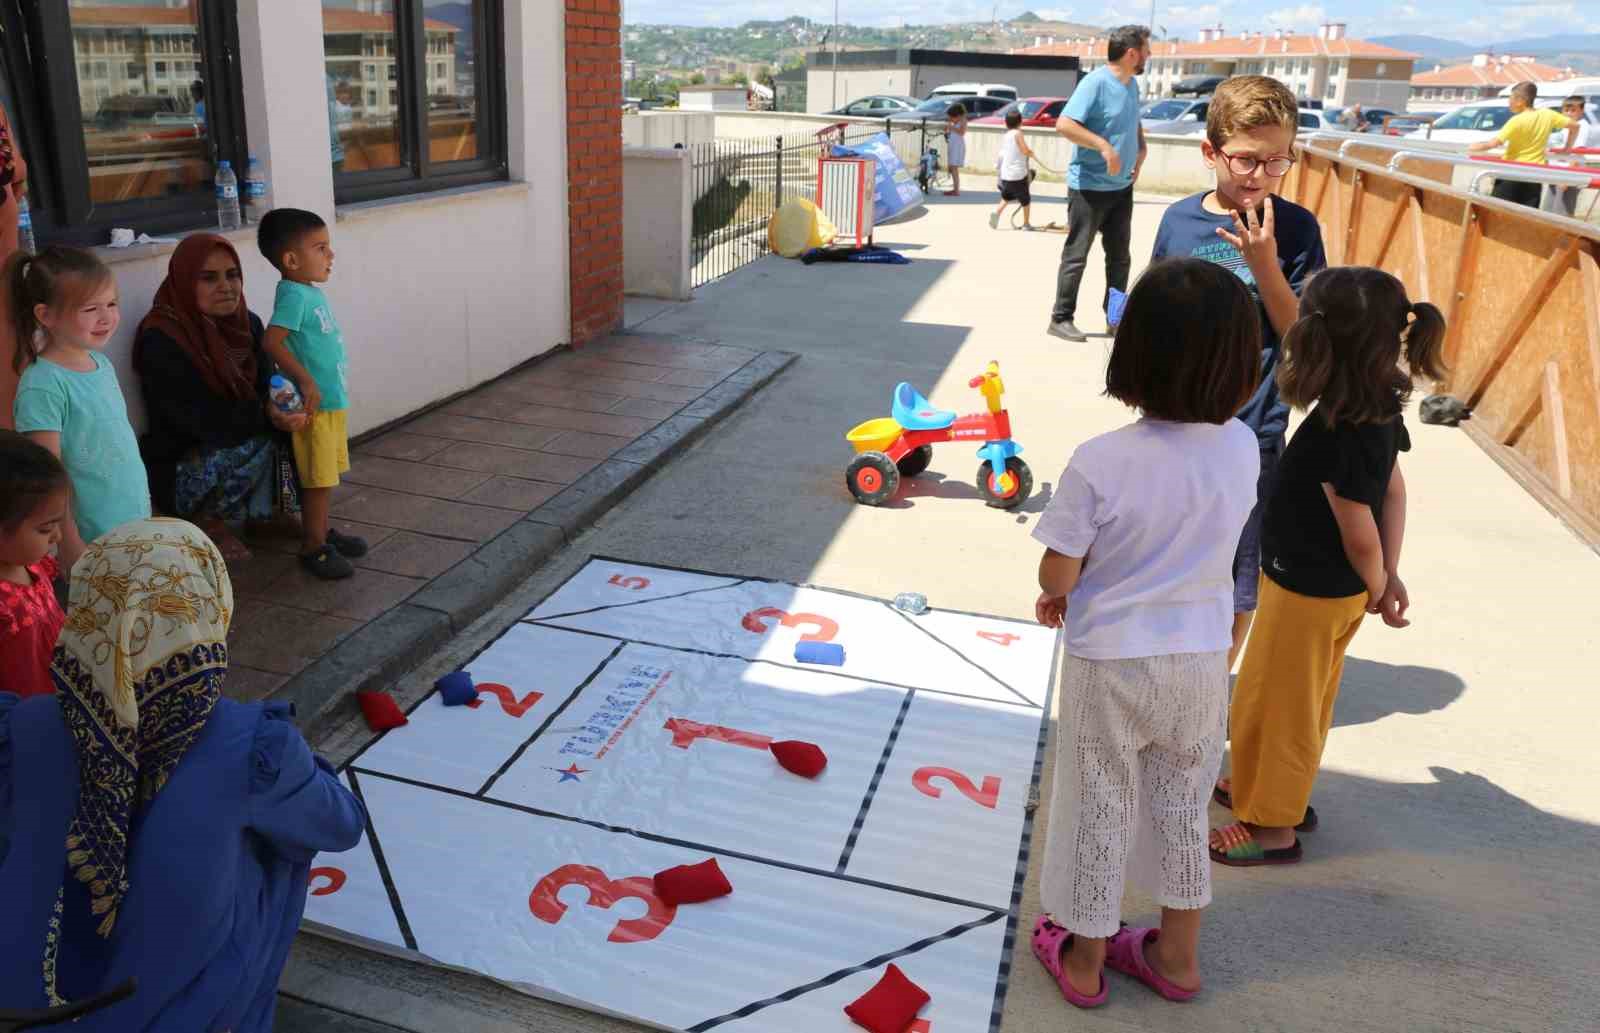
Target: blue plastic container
(830,653)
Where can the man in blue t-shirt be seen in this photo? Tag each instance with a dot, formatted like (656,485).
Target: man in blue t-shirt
(1102,121)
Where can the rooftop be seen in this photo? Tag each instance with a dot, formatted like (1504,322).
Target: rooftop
(1502,70)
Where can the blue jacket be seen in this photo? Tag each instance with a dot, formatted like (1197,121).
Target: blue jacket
(217,868)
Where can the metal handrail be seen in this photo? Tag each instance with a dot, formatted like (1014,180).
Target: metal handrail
(1497,170)
(1391,143)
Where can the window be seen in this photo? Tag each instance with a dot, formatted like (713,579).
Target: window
(1382,69)
(111,148)
(440,122)
(1332,90)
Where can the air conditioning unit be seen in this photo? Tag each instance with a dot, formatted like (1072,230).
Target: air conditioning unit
(847,194)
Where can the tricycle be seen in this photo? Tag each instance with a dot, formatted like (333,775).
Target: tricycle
(901,445)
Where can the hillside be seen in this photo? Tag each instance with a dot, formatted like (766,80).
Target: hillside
(1580,52)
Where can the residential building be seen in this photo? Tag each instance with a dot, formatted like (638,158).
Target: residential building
(630,70)
(1328,66)
(1485,76)
(917,73)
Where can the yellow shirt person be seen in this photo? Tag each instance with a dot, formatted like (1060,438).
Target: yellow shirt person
(1527,135)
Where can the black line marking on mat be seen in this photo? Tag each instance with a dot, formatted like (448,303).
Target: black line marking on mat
(1002,981)
(633,602)
(687,844)
(992,676)
(551,719)
(808,668)
(872,788)
(801,584)
(383,865)
(844,973)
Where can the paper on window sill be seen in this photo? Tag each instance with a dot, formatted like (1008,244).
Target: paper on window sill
(122,238)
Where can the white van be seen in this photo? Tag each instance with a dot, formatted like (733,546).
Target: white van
(975,89)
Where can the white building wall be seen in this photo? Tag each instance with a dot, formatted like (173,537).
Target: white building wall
(854,83)
(435,292)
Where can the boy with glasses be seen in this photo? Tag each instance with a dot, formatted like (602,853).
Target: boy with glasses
(1273,245)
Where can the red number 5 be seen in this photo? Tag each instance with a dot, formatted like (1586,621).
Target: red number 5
(988,796)
(508,700)
(635,583)
(335,877)
(826,627)
(604,892)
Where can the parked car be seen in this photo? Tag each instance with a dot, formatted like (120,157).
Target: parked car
(1035,111)
(975,89)
(1468,123)
(1371,119)
(935,108)
(1175,116)
(880,105)
(1198,85)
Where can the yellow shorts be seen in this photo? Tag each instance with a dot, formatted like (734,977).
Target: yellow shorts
(322,450)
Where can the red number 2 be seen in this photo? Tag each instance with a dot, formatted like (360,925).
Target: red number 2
(826,627)
(988,796)
(336,879)
(508,699)
(604,892)
(684,734)
(635,583)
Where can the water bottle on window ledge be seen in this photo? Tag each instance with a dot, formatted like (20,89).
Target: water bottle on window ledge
(25,241)
(227,197)
(255,190)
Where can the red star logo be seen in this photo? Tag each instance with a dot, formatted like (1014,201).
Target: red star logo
(570,774)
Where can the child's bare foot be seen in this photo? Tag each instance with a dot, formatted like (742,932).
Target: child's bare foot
(1182,972)
(1082,962)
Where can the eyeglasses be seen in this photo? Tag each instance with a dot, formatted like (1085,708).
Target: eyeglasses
(1244,164)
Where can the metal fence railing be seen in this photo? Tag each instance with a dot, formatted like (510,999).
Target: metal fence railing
(739,184)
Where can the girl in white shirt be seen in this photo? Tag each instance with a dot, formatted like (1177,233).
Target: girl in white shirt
(1138,566)
(1013,167)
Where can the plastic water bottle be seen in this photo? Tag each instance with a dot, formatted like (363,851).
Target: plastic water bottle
(227,197)
(284,394)
(25,239)
(255,190)
(911,602)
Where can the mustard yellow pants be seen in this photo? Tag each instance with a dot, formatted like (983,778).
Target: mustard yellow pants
(1283,700)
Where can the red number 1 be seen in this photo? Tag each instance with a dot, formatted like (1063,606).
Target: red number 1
(988,796)
(633,582)
(684,734)
(604,892)
(508,699)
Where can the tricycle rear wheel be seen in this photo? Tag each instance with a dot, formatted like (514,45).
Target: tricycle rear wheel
(1008,489)
(872,478)
(915,461)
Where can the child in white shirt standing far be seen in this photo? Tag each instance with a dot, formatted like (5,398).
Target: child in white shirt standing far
(1138,564)
(956,133)
(1013,167)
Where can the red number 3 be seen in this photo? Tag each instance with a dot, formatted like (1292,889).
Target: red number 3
(988,796)
(604,892)
(826,627)
(335,877)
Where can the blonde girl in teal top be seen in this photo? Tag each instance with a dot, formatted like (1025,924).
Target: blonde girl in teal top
(64,302)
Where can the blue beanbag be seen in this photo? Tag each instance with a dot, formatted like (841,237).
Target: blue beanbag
(456,689)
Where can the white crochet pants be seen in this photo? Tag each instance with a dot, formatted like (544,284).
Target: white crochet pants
(1138,748)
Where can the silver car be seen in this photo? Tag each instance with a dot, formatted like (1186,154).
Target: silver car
(878,106)
(1175,116)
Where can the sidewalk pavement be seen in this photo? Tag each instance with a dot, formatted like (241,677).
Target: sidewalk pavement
(461,503)
(1453,884)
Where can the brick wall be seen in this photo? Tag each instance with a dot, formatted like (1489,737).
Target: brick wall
(594,165)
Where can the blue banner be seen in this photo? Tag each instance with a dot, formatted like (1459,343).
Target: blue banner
(896,190)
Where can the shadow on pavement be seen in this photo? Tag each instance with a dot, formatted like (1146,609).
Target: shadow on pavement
(1371,690)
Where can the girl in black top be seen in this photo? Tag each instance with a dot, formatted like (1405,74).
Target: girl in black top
(1330,544)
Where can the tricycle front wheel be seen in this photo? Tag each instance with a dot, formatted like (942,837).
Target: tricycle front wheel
(872,478)
(1006,489)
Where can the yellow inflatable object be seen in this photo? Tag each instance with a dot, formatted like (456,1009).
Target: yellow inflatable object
(798,227)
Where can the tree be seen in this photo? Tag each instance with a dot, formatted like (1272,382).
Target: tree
(697,79)
(1027,16)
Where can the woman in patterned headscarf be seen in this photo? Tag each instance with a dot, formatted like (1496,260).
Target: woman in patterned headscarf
(150,828)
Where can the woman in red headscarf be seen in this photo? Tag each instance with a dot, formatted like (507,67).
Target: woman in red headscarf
(216,449)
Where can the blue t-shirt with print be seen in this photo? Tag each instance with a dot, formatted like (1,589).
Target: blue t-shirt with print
(1109,108)
(314,339)
(1189,231)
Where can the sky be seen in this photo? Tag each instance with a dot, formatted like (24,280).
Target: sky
(1470,21)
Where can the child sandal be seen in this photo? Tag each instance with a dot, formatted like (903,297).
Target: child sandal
(1246,852)
(1049,940)
(1125,954)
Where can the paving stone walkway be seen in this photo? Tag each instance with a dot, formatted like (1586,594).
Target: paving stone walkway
(430,493)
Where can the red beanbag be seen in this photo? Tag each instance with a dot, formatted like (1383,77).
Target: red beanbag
(692,883)
(381,711)
(890,1006)
(803,758)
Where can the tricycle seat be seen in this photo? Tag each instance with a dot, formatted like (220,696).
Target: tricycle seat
(913,412)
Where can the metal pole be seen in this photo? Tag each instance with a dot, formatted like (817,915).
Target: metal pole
(777,187)
(835,54)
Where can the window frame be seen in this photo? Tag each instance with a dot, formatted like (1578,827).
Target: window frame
(420,174)
(42,74)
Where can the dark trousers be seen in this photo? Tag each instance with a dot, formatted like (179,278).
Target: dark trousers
(1109,214)
(1520,193)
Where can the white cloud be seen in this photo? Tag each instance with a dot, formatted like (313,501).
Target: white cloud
(1306,16)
